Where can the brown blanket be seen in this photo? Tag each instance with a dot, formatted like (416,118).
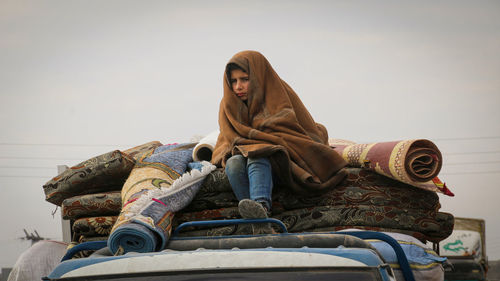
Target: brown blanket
(274,123)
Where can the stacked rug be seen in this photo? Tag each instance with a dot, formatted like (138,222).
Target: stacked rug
(89,192)
(364,200)
(133,199)
(391,186)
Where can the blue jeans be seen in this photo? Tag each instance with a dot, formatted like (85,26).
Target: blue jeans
(250,178)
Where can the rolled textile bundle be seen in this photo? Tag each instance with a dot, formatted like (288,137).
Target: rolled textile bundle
(203,150)
(415,162)
(157,187)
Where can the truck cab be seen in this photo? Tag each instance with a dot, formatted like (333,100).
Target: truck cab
(466,250)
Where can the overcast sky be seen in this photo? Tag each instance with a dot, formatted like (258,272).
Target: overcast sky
(81,78)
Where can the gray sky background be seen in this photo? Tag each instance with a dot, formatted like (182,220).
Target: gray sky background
(81,78)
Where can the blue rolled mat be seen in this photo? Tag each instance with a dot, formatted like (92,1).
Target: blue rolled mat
(133,237)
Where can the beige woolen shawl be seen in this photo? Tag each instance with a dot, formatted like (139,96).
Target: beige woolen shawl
(275,124)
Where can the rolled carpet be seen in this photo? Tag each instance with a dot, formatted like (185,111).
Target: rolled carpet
(133,237)
(414,162)
(157,187)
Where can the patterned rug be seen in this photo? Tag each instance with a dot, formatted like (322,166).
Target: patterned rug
(414,162)
(363,200)
(328,218)
(157,187)
(92,205)
(360,187)
(89,227)
(106,172)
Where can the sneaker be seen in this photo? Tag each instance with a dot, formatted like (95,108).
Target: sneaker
(250,209)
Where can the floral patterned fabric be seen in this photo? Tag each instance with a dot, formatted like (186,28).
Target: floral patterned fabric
(92,205)
(106,172)
(158,186)
(85,228)
(363,199)
(327,218)
(365,188)
(360,187)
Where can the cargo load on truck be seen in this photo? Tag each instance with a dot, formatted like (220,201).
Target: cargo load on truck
(133,200)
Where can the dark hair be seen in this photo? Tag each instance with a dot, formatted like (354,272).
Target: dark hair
(230,67)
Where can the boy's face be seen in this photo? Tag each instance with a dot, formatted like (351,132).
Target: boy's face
(239,82)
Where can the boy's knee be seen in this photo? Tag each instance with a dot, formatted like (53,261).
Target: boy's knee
(259,161)
(236,163)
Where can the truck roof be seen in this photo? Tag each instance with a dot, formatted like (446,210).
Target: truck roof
(329,252)
(203,260)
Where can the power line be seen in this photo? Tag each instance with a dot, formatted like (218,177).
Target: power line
(468,173)
(447,164)
(472,152)
(101,145)
(63,144)
(26,167)
(24,176)
(39,158)
(468,138)
(467,163)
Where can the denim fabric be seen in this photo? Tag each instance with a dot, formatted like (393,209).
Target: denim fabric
(250,178)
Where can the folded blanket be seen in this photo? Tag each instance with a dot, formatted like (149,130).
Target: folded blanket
(106,172)
(434,228)
(157,187)
(363,199)
(415,162)
(92,205)
(327,218)
(360,187)
(366,188)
